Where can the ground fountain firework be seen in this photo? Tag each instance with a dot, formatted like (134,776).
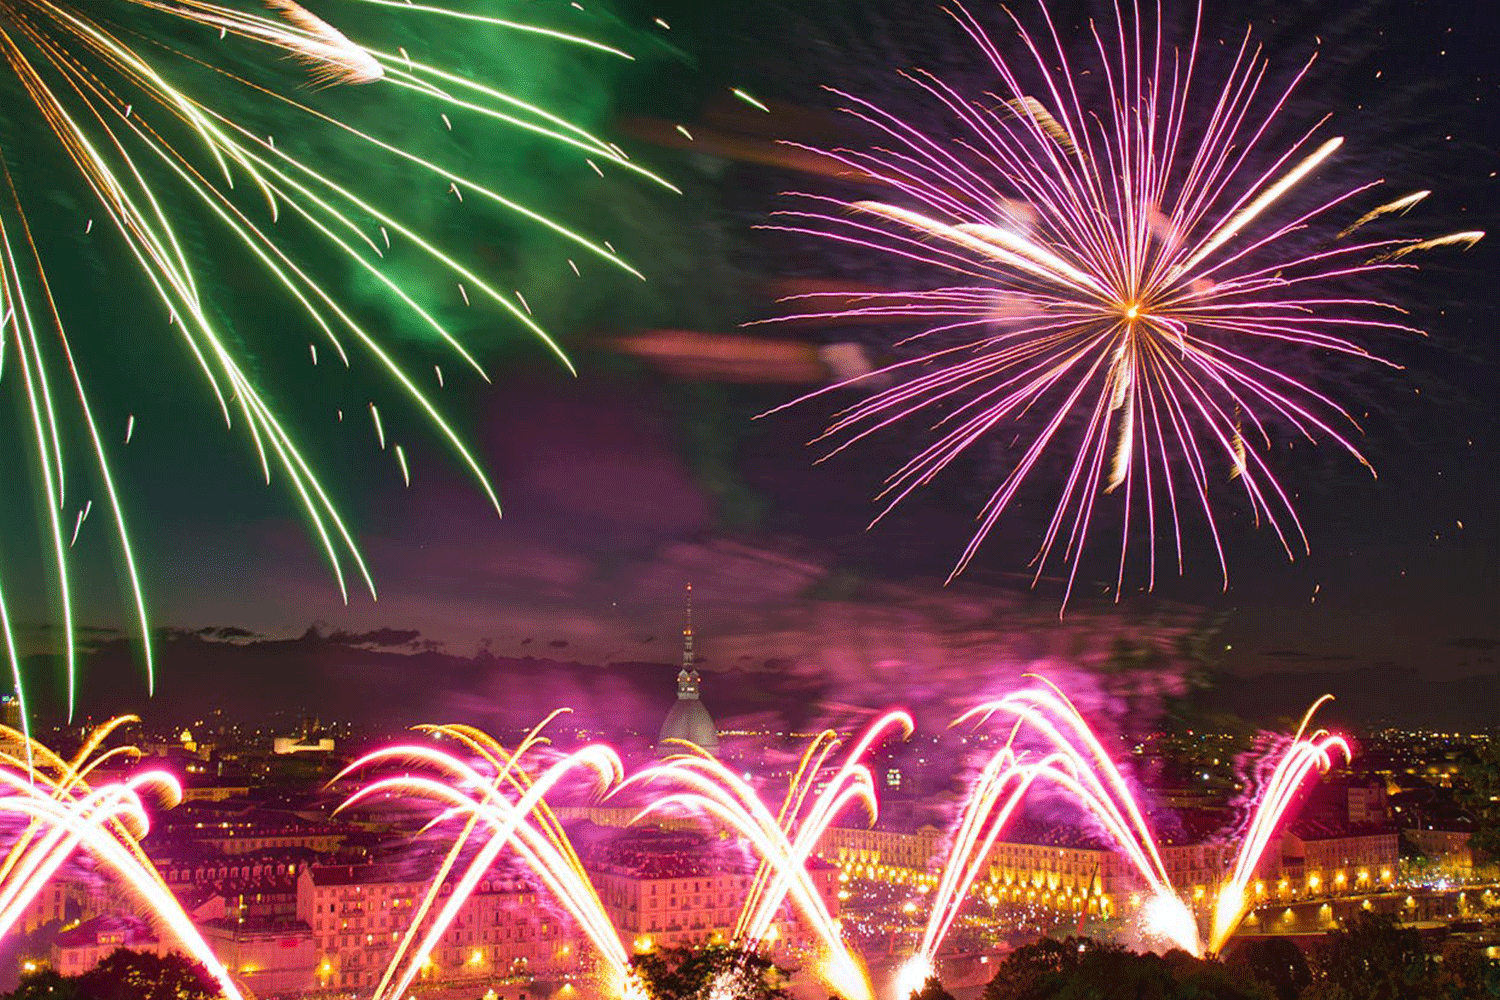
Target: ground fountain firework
(489,804)
(1049,743)
(62,815)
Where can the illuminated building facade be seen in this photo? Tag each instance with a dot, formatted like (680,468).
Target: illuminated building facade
(79,949)
(877,847)
(1065,868)
(1332,861)
(252,832)
(357,912)
(664,888)
(269,959)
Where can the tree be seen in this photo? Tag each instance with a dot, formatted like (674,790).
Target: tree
(45,984)
(124,975)
(1369,959)
(1463,973)
(1031,971)
(1479,792)
(931,990)
(1275,962)
(1082,969)
(708,972)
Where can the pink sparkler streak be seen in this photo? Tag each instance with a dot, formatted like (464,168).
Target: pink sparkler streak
(466,792)
(1123,261)
(107,823)
(1001,787)
(1301,757)
(506,772)
(851,783)
(1091,773)
(710,788)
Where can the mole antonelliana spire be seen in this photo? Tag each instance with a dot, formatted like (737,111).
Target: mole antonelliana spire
(688,720)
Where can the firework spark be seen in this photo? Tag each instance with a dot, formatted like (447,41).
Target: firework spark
(99,80)
(1077,762)
(783,840)
(510,807)
(64,814)
(1304,754)
(1118,247)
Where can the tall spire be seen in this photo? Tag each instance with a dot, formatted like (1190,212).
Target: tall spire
(687,633)
(688,721)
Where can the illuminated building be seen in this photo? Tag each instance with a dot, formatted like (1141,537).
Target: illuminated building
(269,959)
(79,949)
(311,740)
(49,905)
(1335,860)
(1448,848)
(664,888)
(250,831)
(883,847)
(356,913)
(1067,868)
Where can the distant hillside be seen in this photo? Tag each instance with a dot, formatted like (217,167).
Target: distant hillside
(392,677)
(1367,696)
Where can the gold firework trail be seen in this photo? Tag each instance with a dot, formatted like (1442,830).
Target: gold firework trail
(97,79)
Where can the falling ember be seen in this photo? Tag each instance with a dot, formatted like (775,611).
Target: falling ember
(1465,239)
(1110,275)
(749,99)
(333,57)
(379,428)
(1400,206)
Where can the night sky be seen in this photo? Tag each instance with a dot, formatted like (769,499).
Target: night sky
(622,484)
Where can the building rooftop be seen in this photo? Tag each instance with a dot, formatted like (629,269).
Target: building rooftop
(124,931)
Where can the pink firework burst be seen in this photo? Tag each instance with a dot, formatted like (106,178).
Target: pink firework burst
(1126,269)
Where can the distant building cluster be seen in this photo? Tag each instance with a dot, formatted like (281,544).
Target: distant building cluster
(1343,842)
(300,902)
(674,887)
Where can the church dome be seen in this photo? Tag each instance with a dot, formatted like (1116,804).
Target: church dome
(689,720)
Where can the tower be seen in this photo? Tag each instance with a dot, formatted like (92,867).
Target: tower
(688,721)
(688,678)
